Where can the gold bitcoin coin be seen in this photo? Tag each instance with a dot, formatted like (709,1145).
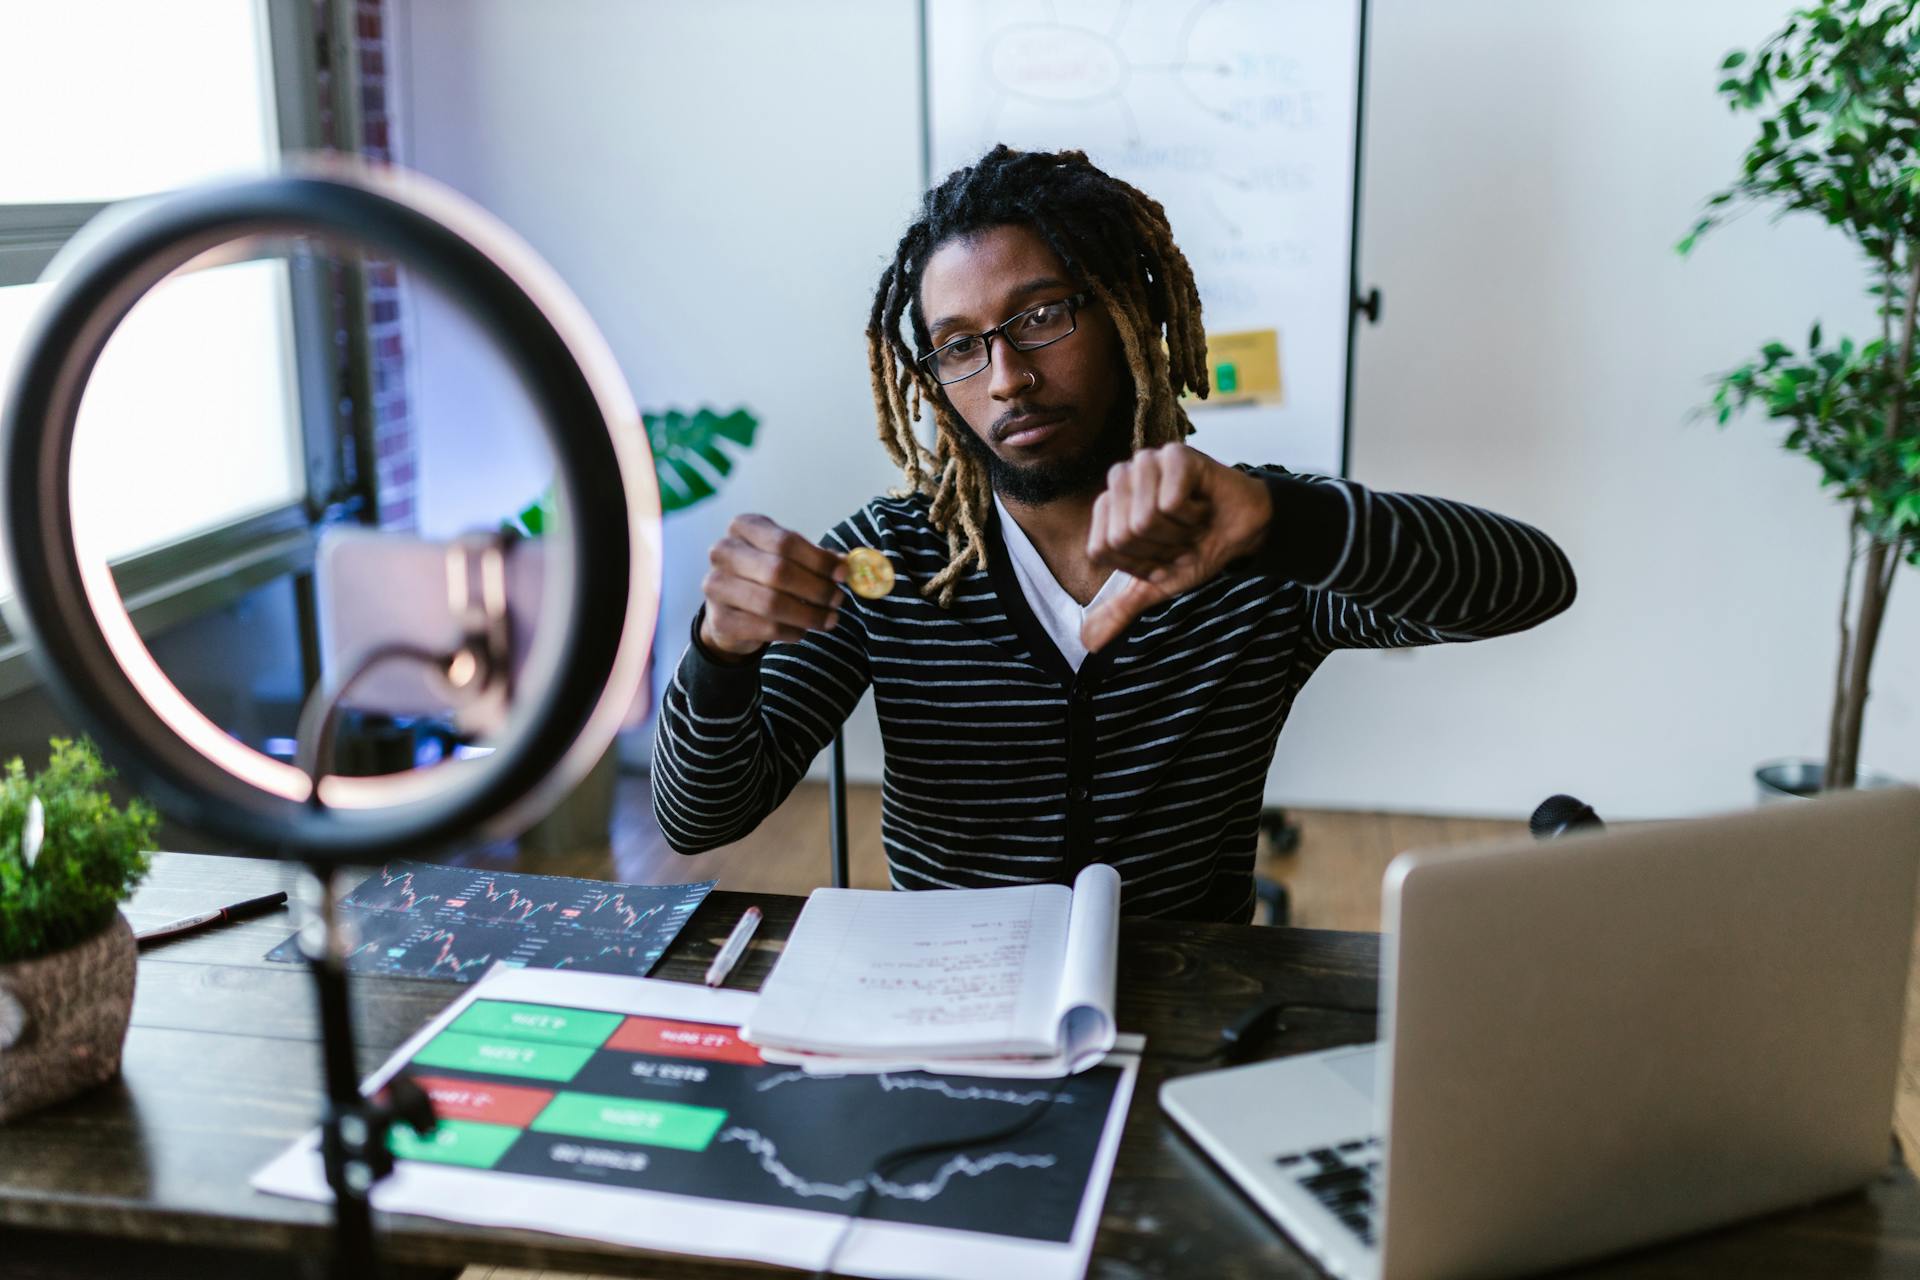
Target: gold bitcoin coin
(869,573)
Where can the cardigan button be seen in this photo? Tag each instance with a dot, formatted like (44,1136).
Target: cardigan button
(1079,795)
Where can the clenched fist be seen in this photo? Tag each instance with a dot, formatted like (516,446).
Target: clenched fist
(767,584)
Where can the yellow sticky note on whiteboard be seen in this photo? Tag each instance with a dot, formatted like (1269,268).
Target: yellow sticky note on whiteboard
(1244,367)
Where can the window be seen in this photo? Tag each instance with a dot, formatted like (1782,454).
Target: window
(111,99)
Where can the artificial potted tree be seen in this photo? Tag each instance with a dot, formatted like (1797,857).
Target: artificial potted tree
(68,858)
(1839,138)
(691,460)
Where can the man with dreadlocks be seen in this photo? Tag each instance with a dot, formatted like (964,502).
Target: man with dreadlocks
(1097,632)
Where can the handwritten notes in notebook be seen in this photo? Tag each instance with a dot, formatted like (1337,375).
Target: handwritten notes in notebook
(1018,973)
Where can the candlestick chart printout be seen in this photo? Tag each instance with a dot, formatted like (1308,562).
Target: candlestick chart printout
(418,920)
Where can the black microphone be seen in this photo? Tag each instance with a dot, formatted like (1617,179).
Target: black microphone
(1558,815)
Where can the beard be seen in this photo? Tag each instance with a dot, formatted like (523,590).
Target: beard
(1035,484)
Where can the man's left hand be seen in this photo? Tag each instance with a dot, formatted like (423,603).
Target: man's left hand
(1173,518)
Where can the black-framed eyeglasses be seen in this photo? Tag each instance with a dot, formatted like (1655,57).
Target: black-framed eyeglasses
(1030,330)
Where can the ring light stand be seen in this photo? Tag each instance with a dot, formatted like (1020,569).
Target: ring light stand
(581,675)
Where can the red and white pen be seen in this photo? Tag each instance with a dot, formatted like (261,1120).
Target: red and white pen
(734,948)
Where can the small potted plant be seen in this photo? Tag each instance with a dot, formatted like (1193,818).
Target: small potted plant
(68,858)
(1839,138)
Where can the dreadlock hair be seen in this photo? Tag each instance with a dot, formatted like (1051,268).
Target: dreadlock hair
(1114,239)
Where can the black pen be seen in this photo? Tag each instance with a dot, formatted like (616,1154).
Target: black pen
(238,911)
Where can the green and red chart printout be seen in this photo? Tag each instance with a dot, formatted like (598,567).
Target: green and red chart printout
(630,1110)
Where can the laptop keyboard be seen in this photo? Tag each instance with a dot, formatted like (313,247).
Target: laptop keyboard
(1341,1177)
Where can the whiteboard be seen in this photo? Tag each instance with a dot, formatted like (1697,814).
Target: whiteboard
(1239,116)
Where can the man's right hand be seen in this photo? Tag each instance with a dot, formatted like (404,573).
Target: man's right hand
(767,584)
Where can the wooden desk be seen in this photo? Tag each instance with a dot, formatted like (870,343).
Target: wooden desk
(221,1073)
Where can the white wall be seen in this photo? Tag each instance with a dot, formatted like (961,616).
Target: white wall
(480,449)
(711,178)
(1529,167)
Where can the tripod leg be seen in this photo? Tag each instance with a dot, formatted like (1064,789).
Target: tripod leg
(354,1149)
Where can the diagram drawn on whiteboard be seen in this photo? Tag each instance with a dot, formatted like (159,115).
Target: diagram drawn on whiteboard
(1239,116)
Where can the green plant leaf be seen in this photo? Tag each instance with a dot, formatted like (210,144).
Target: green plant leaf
(688,453)
(692,454)
(739,427)
(533,517)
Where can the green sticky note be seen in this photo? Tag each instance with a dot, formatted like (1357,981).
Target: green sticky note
(1226,377)
(497,1055)
(463,1142)
(537,1023)
(655,1124)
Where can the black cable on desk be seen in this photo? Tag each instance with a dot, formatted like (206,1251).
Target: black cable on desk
(1242,1038)
(889,1165)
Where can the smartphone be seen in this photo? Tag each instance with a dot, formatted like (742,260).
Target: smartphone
(375,589)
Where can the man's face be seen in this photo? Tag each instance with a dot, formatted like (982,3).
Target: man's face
(1049,422)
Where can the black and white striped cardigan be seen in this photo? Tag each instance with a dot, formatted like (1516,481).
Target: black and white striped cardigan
(1004,766)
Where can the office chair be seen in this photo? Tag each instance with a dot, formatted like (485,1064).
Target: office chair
(837,814)
(1283,836)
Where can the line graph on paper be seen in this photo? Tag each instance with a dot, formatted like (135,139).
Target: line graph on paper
(767,1151)
(1020,1151)
(416,919)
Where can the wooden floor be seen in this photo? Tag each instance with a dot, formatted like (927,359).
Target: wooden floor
(1333,878)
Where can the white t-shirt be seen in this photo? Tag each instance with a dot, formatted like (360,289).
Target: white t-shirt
(1058,612)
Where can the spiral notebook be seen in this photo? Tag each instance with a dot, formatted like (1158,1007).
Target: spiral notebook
(1022,974)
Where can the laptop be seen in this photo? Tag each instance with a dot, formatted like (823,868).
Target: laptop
(1594,1043)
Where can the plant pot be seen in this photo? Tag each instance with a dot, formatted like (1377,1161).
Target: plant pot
(1780,780)
(63,1019)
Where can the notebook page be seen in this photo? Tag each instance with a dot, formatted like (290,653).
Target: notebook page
(1085,1013)
(946,970)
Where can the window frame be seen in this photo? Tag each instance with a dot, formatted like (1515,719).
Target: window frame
(216,566)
